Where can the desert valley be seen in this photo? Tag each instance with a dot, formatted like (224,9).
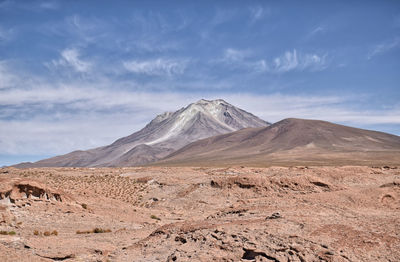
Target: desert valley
(161,131)
(210,182)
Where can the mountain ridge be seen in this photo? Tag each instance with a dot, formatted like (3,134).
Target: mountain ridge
(290,141)
(166,133)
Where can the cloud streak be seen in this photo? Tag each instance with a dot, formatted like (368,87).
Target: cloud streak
(156,67)
(289,61)
(383,48)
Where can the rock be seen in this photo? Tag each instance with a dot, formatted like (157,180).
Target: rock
(275,215)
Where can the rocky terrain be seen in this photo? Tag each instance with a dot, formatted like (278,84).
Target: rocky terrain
(296,213)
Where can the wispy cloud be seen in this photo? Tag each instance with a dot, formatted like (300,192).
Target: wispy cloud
(317,30)
(292,61)
(256,13)
(52,5)
(383,47)
(70,57)
(233,55)
(289,61)
(40,116)
(242,59)
(157,67)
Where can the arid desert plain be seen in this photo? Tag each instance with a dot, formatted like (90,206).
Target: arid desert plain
(238,213)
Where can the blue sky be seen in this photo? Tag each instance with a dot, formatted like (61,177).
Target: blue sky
(80,74)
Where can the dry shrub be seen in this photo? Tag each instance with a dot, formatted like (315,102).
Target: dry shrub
(155,217)
(11,233)
(95,230)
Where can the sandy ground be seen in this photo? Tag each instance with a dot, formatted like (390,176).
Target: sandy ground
(200,214)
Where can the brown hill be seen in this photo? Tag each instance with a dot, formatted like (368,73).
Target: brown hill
(291,142)
(162,136)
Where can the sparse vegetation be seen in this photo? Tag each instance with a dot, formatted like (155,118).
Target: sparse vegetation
(46,233)
(100,230)
(155,217)
(84,206)
(84,232)
(95,230)
(10,233)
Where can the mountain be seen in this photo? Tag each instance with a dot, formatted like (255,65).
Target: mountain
(289,142)
(162,136)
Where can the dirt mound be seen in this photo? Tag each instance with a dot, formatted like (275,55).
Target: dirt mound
(258,184)
(21,189)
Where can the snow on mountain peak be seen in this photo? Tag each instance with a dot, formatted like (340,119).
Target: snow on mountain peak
(204,116)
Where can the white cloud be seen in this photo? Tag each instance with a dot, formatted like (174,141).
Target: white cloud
(158,67)
(287,62)
(383,47)
(70,57)
(292,61)
(238,58)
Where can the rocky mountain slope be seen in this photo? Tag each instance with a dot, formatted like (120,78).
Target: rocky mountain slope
(162,136)
(292,141)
